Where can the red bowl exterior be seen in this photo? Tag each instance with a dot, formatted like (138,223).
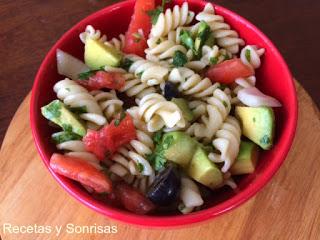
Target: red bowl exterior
(274,78)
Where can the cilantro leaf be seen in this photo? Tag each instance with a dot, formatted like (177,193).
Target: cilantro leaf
(118,121)
(248,55)
(88,74)
(203,34)
(154,14)
(157,137)
(186,39)
(179,59)
(214,60)
(140,167)
(126,63)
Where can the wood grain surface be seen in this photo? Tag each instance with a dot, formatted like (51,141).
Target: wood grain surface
(287,208)
(30,27)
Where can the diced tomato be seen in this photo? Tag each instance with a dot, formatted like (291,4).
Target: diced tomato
(111,137)
(228,71)
(81,171)
(132,199)
(95,144)
(135,42)
(118,133)
(103,79)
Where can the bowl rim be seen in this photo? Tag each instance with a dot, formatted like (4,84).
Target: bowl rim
(169,221)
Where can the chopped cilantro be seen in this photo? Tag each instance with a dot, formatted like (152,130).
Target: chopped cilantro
(79,110)
(157,159)
(203,34)
(126,64)
(214,60)
(265,139)
(179,59)
(118,121)
(140,167)
(186,39)
(158,41)
(88,74)
(140,74)
(225,104)
(248,55)
(157,137)
(61,137)
(155,13)
(254,119)
(222,86)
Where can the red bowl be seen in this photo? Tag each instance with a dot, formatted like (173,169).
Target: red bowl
(274,78)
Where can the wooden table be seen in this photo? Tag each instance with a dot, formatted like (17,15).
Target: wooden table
(30,27)
(288,208)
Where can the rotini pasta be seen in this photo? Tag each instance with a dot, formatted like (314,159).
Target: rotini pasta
(172,19)
(191,83)
(149,72)
(227,143)
(217,109)
(110,104)
(226,38)
(92,33)
(74,95)
(251,55)
(190,196)
(158,112)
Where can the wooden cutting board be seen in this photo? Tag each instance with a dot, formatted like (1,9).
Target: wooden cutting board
(287,208)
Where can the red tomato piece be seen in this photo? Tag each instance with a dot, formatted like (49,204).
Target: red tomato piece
(118,133)
(132,199)
(228,71)
(81,171)
(135,42)
(106,80)
(95,144)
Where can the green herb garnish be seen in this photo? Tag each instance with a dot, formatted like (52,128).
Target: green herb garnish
(61,137)
(248,55)
(179,59)
(203,34)
(139,75)
(222,86)
(186,39)
(126,63)
(214,60)
(155,13)
(66,127)
(157,159)
(88,74)
(225,104)
(118,121)
(140,167)
(137,37)
(265,140)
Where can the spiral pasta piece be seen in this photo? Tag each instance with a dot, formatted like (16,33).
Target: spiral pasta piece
(157,112)
(149,72)
(74,95)
(217,109)
(91,33)
(190,196)
(76,148)
(191,83)
(251,55)
(110,104)
(227,142)
(226,38)
(172,19)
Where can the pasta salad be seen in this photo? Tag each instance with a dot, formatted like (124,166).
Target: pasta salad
(166,113)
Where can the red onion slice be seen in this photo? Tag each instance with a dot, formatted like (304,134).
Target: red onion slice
(253,97)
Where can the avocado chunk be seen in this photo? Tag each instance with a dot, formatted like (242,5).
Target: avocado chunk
(204,171)
(183,105)
(181,148)
(61,137)
(258,124)
(57,112)
(97,55)
(246,160)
